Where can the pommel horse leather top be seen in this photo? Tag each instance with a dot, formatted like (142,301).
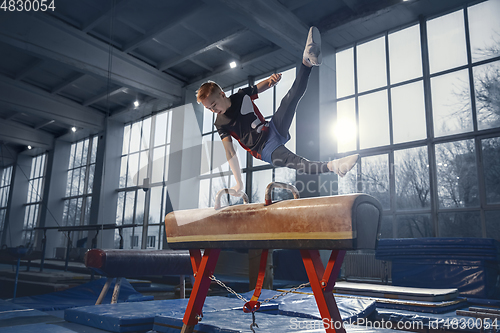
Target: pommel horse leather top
(336,222)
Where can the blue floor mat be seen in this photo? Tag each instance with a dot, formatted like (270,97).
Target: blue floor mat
(85,294)
(38,328)
(444,321)
(304,305)
(389,303)
(14,315)
(128,317)
(236,322)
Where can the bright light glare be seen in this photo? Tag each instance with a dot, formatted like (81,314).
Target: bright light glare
(345,131)
(136,103)
(73,129)
(232,64)
(29,147)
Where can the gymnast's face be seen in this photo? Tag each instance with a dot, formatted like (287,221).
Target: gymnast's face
(217,102)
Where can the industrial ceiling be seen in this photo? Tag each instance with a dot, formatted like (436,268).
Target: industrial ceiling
(87,60)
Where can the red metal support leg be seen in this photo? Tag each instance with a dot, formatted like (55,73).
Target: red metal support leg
(322,283)
(195,255)
(205,269)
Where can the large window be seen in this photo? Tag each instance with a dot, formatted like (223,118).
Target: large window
(78,199)
(5,179)
(256,174)
(34,199)
(143,176)
(426,121)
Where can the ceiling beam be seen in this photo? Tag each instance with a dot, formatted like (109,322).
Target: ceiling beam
(352,4)
(102,95)
(245,61)
(66,83)
(201,64)
(177,75)
(98,18)
(147,107)
(28,69)
(228,51)
(22,97)
(161,28)
(11,131)
(106,39)
(197,32)
(197,49)
(131,25)
(362,13)
(64,18)
(285,30)
(41,35)
(47,123)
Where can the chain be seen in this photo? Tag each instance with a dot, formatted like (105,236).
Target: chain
(220,283)
(267,300)
(303,285)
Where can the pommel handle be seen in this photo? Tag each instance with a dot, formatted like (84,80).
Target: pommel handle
(271,186)
(232,192)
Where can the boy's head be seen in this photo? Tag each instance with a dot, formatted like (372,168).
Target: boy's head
(212,97)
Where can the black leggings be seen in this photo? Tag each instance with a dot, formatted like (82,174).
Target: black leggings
(282,119)
(282,157)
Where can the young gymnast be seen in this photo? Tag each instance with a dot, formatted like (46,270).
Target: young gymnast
(239,117)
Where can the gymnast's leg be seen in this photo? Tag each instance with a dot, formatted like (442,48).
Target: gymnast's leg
(283,117)
(282,157)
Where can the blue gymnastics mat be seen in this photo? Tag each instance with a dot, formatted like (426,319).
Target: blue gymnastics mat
(394,303)
(139,316)
(82,295)
(14,315)
(239,322)
(304,305)
(127,317)
(38,328)
(443,321)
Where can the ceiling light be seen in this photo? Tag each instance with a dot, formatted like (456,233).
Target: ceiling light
(73,129)
(29,147)
(136,103)
(232,64)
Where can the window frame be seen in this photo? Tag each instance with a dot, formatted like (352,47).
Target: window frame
(430,141)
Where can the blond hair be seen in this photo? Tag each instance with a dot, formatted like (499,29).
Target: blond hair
(206,89)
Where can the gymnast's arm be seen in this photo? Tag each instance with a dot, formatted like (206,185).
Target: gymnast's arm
(268,83)
(234,164)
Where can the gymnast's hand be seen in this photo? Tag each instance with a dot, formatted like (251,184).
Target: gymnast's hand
(274,79)
(238,190)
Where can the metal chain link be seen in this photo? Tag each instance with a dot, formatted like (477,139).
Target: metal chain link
(267,300)
(220,283)
(303,285)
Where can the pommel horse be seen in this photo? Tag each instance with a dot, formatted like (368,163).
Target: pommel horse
(114,263)
(337,223)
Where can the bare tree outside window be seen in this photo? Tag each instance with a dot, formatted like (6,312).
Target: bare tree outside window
(491,165)
(457,174)
(444,130)
(411,168)
(487,89)
(375,178)
(415,226)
